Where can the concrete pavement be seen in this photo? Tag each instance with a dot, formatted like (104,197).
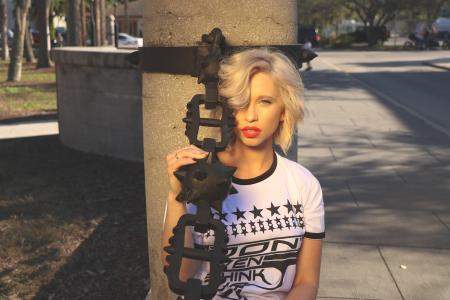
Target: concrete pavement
(386,180)
(28,129)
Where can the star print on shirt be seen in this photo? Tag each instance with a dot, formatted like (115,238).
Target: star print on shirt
(234,229)
(278,222)
(286,222)
(289,206)
(261,226)
(256,212)
(298,208)
(223,216)
(294,222)
(269,222)
(253,227)
(273,209)
(239,214)
(243,228)
(301,224)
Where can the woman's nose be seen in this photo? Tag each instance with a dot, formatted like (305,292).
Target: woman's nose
(251,114)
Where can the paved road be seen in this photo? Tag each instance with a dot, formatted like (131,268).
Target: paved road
(402,78)
(385,174)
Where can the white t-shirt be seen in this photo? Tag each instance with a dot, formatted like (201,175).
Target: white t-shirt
(266,222)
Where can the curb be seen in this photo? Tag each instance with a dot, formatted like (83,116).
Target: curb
(430,64)
(27,119)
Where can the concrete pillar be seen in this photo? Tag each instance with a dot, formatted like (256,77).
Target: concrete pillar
(110,29)
(181,23)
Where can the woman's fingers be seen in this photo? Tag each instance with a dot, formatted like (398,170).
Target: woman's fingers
(179,163)
(179,158)
(191,151)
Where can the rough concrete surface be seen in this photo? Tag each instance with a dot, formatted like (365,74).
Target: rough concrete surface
(99,101)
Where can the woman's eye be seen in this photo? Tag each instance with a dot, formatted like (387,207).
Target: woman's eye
(265,101)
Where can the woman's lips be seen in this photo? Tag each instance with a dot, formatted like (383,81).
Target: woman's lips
(250,131)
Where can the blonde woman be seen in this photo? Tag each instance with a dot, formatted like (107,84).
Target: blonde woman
(275,223)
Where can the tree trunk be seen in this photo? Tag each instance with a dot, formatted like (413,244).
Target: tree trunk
(28,51)
(371,35)
(43,12)
(103,21)
(73,17)
(127,17)
(84,34)
(99,16)
(20,23)
(4,29)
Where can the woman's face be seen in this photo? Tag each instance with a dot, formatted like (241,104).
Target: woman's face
(257,122)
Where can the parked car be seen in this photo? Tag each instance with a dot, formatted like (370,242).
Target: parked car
(128,40)
(34,36)
(360,34)
(441,27)
(10,35)
(308,33)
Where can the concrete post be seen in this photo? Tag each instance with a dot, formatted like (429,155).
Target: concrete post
(181,23)
(110,29)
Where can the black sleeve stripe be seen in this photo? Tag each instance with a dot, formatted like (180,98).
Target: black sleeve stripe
(314,235)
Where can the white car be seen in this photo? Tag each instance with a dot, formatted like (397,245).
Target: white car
(129,40)
(442,27)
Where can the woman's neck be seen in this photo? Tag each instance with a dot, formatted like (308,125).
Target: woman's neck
(249,161)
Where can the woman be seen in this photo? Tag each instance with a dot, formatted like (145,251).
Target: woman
(275,222)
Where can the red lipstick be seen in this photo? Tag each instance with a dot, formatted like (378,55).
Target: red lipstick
(251,131)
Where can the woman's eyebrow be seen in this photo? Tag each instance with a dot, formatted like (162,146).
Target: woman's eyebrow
(264,96)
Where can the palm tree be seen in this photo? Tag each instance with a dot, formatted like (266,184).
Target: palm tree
(21,9)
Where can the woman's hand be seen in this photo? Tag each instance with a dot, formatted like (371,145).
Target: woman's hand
(175,209)
(181,157)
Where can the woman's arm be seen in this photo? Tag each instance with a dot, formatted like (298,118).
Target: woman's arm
(175,209)
(306,282)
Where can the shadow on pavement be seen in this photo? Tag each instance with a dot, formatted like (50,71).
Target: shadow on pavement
(72,224)
(393,64)
(381,186)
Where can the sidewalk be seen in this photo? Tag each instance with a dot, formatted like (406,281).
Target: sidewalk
(28,129)
(386,182)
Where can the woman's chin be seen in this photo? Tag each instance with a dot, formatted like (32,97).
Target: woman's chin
(255,143)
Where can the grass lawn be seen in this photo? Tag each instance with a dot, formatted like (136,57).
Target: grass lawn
(35,94)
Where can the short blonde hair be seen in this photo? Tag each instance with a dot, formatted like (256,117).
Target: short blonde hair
(234,84)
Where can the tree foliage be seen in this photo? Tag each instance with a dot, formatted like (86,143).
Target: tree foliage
(320,13)
(429,10)
(374,12)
